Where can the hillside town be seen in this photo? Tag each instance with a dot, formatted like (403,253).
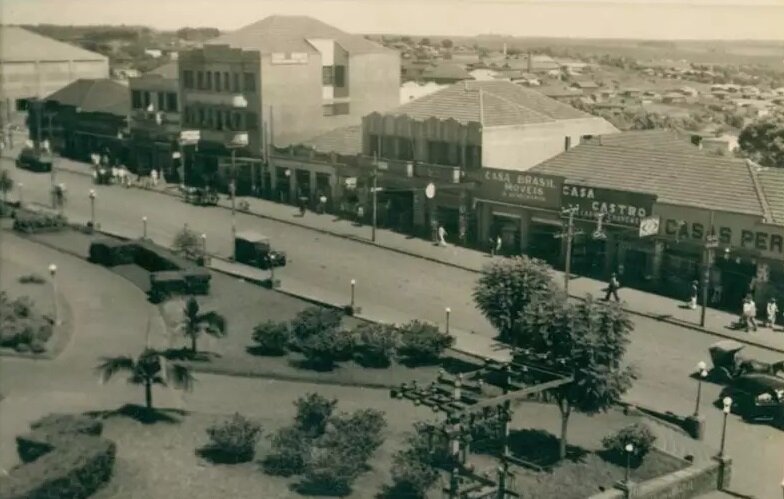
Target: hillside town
(342,265)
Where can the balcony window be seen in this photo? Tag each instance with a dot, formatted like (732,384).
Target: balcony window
(442,153)
(171,102)
(187,79)
(252,121)
(208,81)
(236,83)
(236,119)
(200,80)
(161,101)
(136,100)
(217,81)
(249,82)
(340,76)
(327,75)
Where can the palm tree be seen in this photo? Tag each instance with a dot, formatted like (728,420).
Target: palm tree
(150,368)
(194,323)
(6,184)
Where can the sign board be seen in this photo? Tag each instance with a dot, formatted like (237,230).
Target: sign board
(649,226)
(190,136)
(536,190)
(620,207)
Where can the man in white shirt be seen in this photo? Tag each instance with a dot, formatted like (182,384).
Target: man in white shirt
(749,313)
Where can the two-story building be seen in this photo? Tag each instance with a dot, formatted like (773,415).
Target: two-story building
(452,137)
(279,82)
(155,122)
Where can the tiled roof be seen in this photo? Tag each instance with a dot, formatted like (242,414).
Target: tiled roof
(95,96)
(647,139)
(168,70)
(491,103)
(289,34)
(772,183)
(676,177)
(446,71)
(346,141)
(19,45)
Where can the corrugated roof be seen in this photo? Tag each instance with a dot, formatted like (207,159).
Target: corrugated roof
(677,177)
(772,183)
(501,103)
(95,96)
(20,45)
(660,139)
(345,140)
(289,34)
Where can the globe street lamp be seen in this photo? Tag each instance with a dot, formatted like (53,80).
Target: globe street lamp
(727,408)
(144,227)
(53,273)
(204,248)
(448,311)
(92,208)
(353,285)
(702,373)
(629,449)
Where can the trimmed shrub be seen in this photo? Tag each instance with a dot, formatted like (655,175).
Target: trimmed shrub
(423,343)
(32,221)
(271,337)
(639,435)
(330,471)
(22,347)
(314,320)
(361,431)
(325,348)
(31,279)
(375,344)
(290,448)
(411,478)
(313,413)
(37,347)
(234,440)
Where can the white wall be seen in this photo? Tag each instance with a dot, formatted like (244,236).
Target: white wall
(521,147)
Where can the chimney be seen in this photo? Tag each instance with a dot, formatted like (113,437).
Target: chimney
(530,62)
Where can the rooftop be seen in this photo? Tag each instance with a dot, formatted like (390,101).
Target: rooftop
(678,177)
(20,45)
(290,34)
(491,103)
(772,183)
(168,70)
(95,96)
(659,139)
(446,71)
(346,141)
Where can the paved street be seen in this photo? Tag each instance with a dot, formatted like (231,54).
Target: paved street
(396,287)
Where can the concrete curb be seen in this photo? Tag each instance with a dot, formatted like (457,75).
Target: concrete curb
(648,315)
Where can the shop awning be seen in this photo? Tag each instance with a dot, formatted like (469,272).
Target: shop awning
(546,221)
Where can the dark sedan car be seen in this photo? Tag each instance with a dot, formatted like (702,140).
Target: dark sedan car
(34,160)
(757,397)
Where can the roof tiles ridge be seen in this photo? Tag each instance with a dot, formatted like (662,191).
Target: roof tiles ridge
(520,107)
(760,191)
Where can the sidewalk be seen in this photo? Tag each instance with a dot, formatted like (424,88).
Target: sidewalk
(636,302)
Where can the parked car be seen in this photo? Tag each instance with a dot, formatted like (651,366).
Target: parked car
(255,249)
(757,397)
(200,196)
(728,363)
(34,160)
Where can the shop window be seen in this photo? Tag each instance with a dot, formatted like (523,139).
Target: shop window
(327,75)
(187,79)
(249,82)
(161,101)
(442,153)
(171,102)
(136,99)
(388,148)
(146,99)
(340,76)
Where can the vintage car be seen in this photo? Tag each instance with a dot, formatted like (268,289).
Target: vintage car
(102,175)
(200,196)
(757,397)
(254,249)
(34,160)
(728,364)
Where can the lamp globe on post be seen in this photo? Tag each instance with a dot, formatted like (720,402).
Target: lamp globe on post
(702,373)
(92,207)
(629,448)
(204,248)
(53,274)
(448,311)
(144,227)
(353,286)
(727,401)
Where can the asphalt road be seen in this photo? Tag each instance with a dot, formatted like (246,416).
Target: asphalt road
(399,287)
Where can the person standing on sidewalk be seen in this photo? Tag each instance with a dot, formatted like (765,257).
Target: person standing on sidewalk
(772,310)
(749,313)
(612,288)
(441,235)
(694,292)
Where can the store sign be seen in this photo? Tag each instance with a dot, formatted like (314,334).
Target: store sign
(619,207)
(766,240)
(523,188)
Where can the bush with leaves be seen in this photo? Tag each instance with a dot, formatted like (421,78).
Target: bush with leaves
(362,430)
(325,348)
(313,413)
(506,287)
(423,343)
(188,243)
(290,447)
(375,344)
(414,468)
(314,320)
(22,324)
(330,470)
(272,338)
(639,435)
(234,440)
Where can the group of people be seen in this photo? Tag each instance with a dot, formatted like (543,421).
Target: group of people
(748,317)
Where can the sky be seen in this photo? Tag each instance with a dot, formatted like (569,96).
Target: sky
(649,19)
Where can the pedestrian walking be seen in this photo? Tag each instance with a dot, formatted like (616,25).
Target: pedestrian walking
(498,244)
(441,235)
(773,310)
(612,288)
(154,177)
(749,313)
(694,291)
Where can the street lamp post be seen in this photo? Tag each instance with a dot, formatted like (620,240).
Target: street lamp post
(353,285)
(727,408)
(204,248)
(92,208)
(629,449)
(448,311)
(144,227)
(53,274)
(702,373)
(20,190)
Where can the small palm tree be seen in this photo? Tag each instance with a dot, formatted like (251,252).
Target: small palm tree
(6,184)
(150,368)
(195,322)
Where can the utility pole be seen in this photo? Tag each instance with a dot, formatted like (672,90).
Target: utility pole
(232,191)
(569,235)
(711,243)
(374,192)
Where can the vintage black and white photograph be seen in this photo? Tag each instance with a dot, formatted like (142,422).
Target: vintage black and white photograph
(375,249)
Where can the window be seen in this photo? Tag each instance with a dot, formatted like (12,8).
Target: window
(146,99)
(226,81)
(335,109)
(327,75)
(202,117)
(405,148)
(187,78)
(200,80)
(171,102)
(473,156)
(161,101)
(236,119)
(136,99)
(236,87)
(220,118)
(373,141)
(249,83)
(217,82)
(252,121)
(442,153)
(208,81)
(340,76)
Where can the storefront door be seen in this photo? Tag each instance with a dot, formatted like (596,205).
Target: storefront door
(508,227)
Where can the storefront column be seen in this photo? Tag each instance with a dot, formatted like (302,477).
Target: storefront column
(656,261)
(525,223)
(293,192)
(621,257)
(611,255)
